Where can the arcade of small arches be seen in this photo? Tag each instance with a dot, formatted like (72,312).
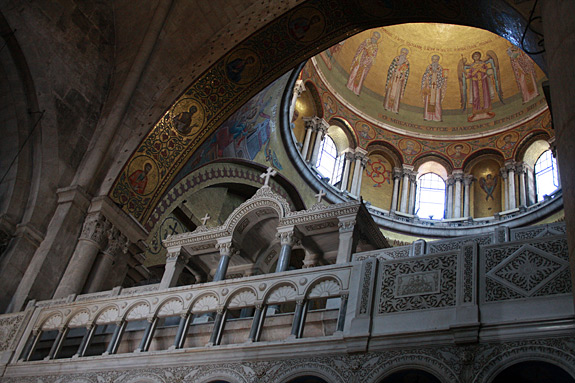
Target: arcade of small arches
(485,187)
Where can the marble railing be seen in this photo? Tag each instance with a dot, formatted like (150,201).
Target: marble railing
(464,289)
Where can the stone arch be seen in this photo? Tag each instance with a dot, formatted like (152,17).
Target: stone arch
(219,374)
(386,150)
(138,311)
(412,361)
(53,322)
(283,291)
(346,128)
(404,375)
(170,306)
(531,372)
(527,142)
(311,88)
(480,155)
(142,378)
(79,319)
(437,158)
(324,287)
(108,314)
(206,302)
(319,370)
(534,352)
(243,297)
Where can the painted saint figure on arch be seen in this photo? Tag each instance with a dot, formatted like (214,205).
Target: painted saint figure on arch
(433,87)
(483,80)
(397,76)
(362,62)
(524,71)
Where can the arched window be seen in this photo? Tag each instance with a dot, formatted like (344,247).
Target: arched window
(329,164)
(430,200)
(546,176)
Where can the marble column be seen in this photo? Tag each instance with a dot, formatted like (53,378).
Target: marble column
(396,181)
(297,325)
(86,340)
(89,244)
(449,197)
(287,239)
(298,89)
(360,157)
(218,328)
(553,148)
(510,166)
(148,335)
(176,260)
(116,338)
(226,251)
(253,335)
(505,188)
(530,185)
(407,169)
(412,181)
(458,177)
(467,181)
(342,313)
(31,345)
(57,345)
(345,248)
(321,130)
(521,171)
(182,331)
(559,31)
(349,155)
(309,124)
(116,248)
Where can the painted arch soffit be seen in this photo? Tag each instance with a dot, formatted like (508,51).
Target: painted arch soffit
(251,65)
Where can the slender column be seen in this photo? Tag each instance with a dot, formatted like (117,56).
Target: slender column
(226,251)
(218,327)
(349,155)
(296,324)
(396,181)
(467,181)
(176,259)
(412,180)
(116,337)
(458,176)
(345,248)
(321,130)
(252,337)
(360,157)
(510,166)
(407,169)
(148,335)
(57,345)
(182,331)
(91,241)
(522,173)
(298,89)
(505,188)
(342,313)
(287,240)
(530,185)
(449,198)
(117,247)
(86,339)
(362,162)
(31,346)
(553,147)
(306,142)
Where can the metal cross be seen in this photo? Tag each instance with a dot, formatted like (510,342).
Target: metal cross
(320,195)
(205,219)
(270,172)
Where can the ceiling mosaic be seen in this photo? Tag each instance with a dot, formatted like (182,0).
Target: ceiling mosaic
(431,80)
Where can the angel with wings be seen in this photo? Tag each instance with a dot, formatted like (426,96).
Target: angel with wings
(483,79)
(488,185)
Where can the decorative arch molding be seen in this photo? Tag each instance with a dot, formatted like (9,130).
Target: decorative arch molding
(316,369)
(244,297)
(435,157)
(220,172)
(312,89)
(523,353)
(346,128)
(208,374)
(386,150)
(528,140)
(401,362)
(485,154)
(142,378)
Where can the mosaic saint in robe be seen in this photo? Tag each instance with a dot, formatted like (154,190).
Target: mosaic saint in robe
(362,62)
(397,76)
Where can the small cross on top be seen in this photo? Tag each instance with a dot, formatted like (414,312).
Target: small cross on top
(320,195)
(270,172)
(205,219)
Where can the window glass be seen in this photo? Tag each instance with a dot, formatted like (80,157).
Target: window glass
(329,164)
(546,177)
(430,200)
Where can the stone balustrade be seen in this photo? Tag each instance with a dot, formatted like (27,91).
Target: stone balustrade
(463,290)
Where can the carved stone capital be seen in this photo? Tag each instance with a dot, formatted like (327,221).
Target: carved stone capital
(117,243)
(349,156)
(299,88)
(510,166)
(468,179)
(397,173)
(503,172)
(287,238)
(95,228)
(450,180)
(346,226)
(457,175)
(225,248)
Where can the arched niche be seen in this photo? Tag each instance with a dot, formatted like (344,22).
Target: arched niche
(305,106)
(533,152)
(377,179)
(411,376)
(307,379)
(533,372)
(487,189)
